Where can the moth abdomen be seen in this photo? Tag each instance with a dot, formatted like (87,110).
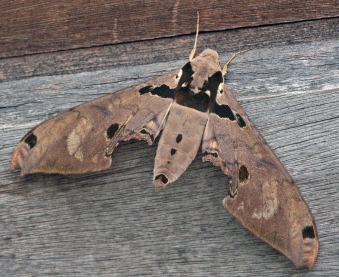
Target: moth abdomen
(179,143)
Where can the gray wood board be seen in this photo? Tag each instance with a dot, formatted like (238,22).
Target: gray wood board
(165,49)
(113,223)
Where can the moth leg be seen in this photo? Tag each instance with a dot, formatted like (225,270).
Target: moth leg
(224,68)
(194,50)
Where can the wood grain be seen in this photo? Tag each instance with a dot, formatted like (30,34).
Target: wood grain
(38,26)
(56,55)
(114,224)
(165,49)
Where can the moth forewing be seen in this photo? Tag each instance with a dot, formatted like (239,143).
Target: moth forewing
(263,196)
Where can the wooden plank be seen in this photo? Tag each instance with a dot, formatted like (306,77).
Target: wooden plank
(135,53)
(42,26)
(114,224)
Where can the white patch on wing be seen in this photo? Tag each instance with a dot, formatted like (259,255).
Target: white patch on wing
(76,137)
(241,206)
(270,201)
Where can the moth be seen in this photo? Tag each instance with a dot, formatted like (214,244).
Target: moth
(193,108)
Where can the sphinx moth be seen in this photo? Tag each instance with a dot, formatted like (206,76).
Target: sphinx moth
(192,107)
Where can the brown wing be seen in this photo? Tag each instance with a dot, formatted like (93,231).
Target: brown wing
(262,195)
(82,138)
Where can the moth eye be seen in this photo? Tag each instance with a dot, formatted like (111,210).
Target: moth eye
(179,74)
(221,88)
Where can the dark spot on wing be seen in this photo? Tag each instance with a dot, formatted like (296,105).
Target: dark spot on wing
(146,89)
(241,122)
(163,91)
(179,138)
(223,111)
(31,140)
(243,174)
(173,151)
(111,131)
(308,232)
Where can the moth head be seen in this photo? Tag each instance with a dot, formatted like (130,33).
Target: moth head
(210,55)
(201,74)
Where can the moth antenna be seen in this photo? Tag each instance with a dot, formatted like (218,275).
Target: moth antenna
(194,50)
(224,68)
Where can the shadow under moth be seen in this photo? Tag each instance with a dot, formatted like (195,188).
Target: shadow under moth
(192,107)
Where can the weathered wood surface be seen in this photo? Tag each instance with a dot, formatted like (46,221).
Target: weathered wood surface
(165,49)
(37,26)
(114,224)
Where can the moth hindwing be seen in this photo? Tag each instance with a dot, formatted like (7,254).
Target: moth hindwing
(193,107)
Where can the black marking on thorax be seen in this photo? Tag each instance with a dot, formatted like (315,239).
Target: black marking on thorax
(200,101)
(184,96)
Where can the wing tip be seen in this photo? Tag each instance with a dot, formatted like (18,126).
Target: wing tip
(309,253)
(19,156)
(302,251)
